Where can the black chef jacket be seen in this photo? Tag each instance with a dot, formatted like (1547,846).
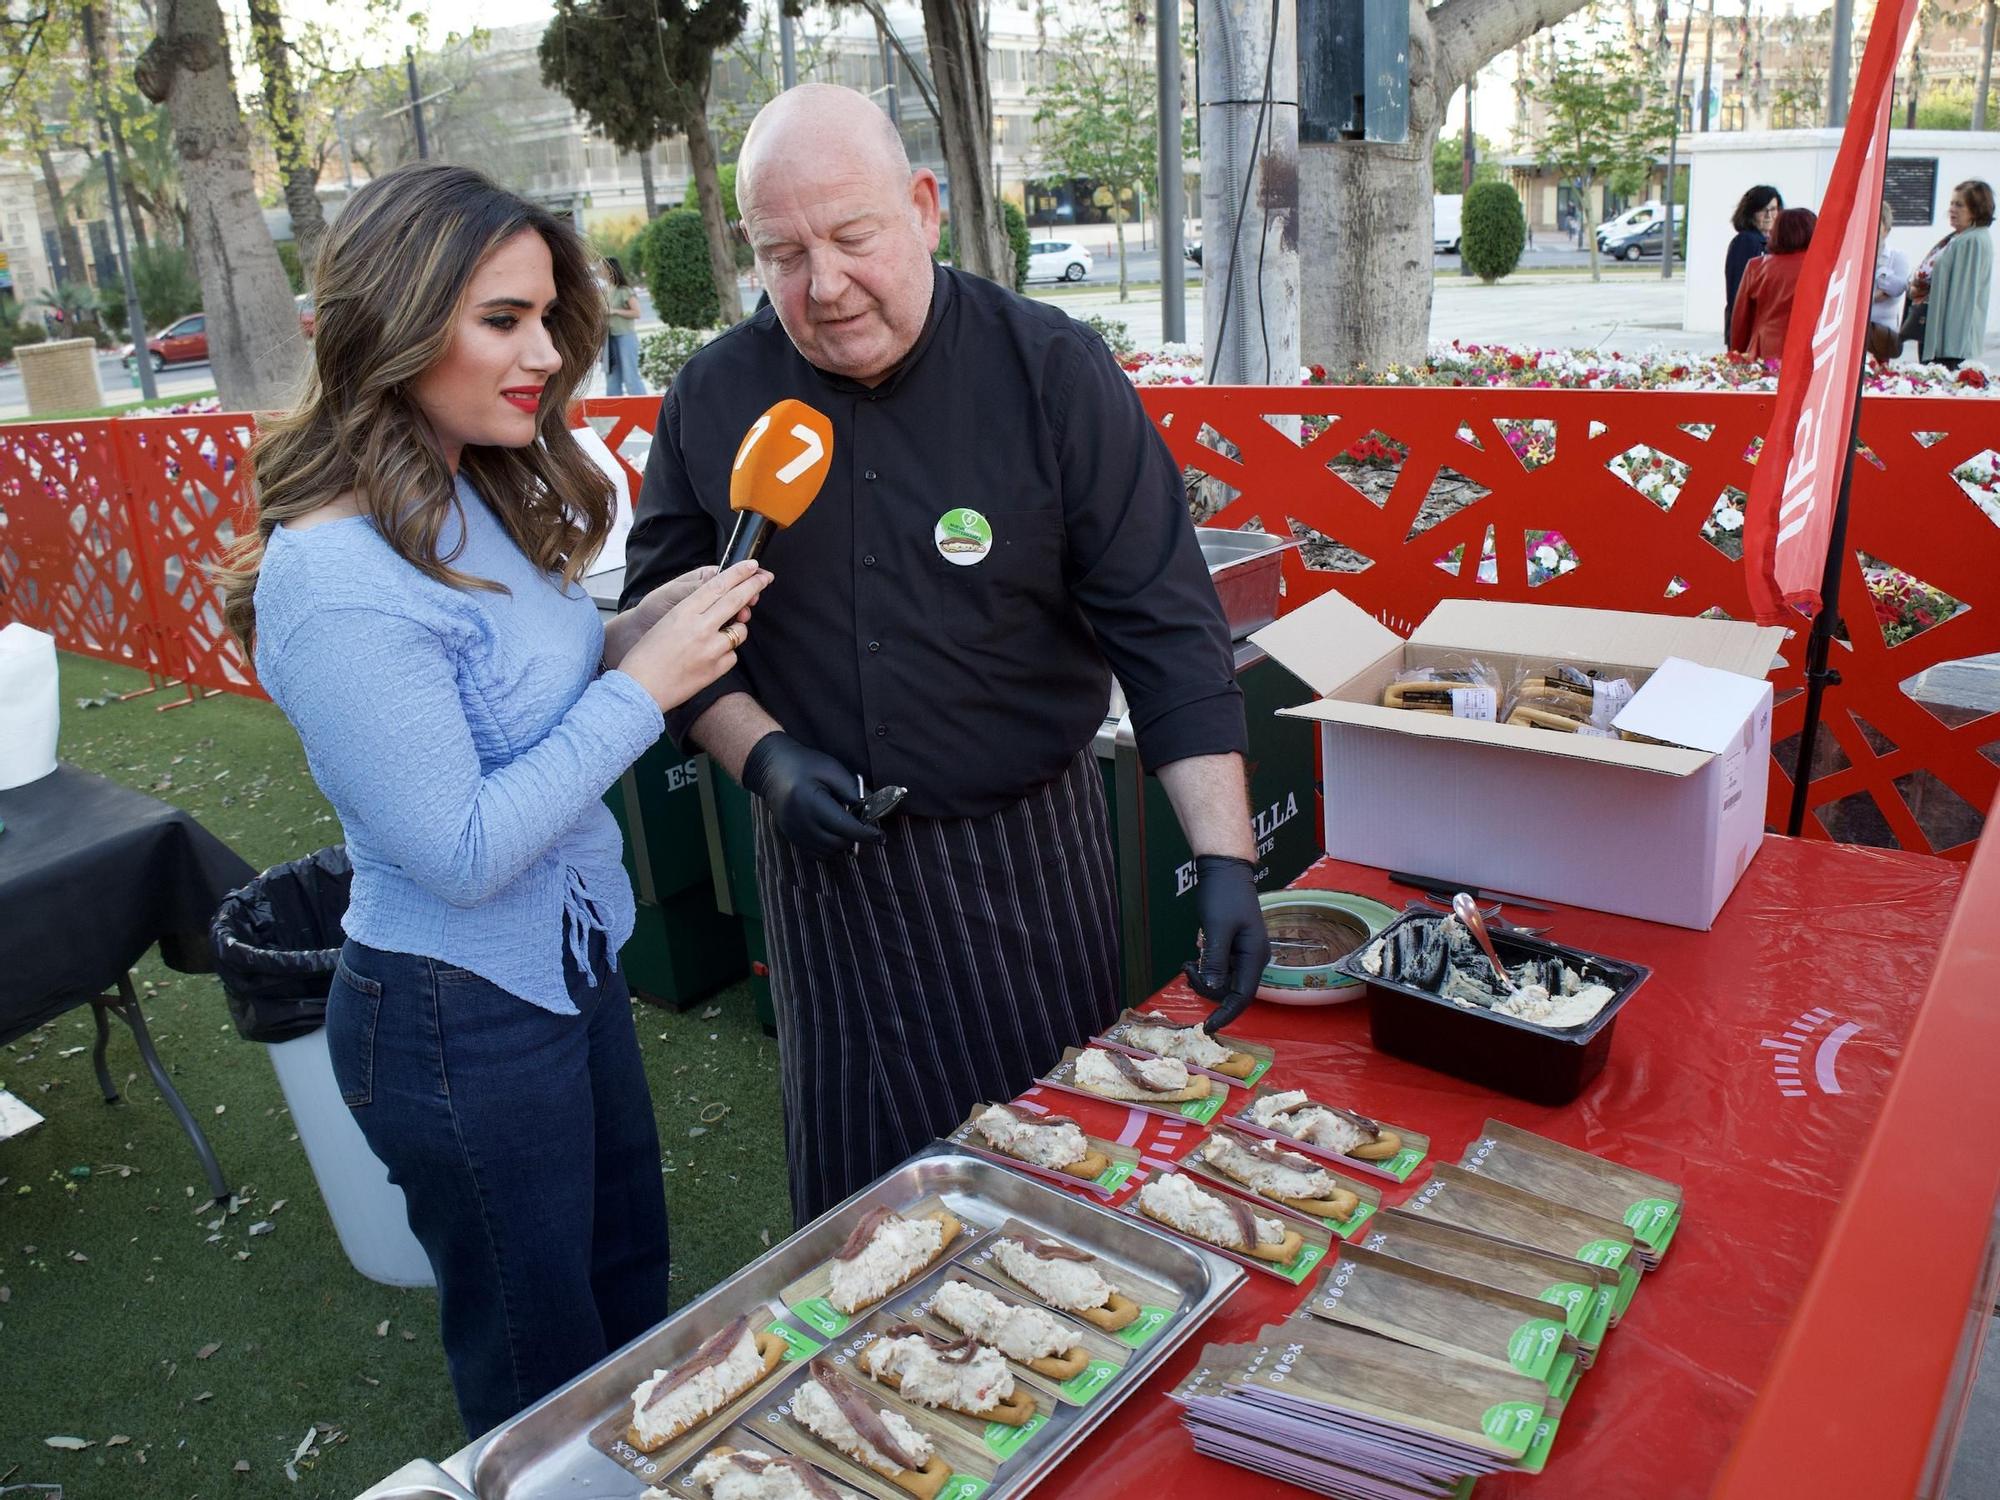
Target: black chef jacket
(969,683)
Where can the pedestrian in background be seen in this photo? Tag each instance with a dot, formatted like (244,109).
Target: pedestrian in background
(1756,211)
(1892,279)
(1961,280)
(621,348)
(1763,309)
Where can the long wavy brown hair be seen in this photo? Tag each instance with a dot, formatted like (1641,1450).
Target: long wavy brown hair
(388,284)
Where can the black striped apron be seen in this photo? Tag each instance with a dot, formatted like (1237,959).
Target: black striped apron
(946,966)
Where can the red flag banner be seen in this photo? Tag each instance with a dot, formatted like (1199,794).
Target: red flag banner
(1789,514)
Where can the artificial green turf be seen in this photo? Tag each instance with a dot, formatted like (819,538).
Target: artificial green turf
(114,1284)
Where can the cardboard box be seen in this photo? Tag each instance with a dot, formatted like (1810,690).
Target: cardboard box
(1649,831)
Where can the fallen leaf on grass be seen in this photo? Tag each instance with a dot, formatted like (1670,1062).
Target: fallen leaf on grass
(708,1015)
(262,1226)
(279,1204)
(6,1295)
(409,1337)
(305,1447)
(70,1444)
(382,1329)
(116,1440)
(69,1052)
(206,1350)
(242,1466)
(205,1396)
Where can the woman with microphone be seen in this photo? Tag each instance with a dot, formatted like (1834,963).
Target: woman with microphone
(411,597)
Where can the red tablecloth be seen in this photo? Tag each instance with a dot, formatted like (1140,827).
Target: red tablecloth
(1830,944)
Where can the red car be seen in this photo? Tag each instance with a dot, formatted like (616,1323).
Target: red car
(186,342)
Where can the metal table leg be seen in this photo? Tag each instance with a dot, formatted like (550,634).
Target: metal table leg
(125,1005)
(97,1056)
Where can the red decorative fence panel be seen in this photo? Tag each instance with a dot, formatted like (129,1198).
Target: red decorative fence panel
(1404,496)
(68,561)
(187,479)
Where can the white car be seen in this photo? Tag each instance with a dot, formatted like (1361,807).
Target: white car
(1057,260)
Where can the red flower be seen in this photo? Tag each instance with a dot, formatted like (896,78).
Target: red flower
(1515,362)
(1974,378)
(1319,372)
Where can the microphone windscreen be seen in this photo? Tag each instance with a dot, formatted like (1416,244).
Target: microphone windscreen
(782,462)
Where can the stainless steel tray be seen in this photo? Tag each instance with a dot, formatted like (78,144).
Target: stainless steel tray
(546,1451)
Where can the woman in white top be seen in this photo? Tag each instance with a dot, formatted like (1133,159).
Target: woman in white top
(1892,279)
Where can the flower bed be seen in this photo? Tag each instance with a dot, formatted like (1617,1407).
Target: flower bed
(1487,365)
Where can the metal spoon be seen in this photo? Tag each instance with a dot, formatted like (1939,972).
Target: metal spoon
(1467,911)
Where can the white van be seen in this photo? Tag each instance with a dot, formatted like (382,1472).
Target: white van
(1445,208)
(1632,220)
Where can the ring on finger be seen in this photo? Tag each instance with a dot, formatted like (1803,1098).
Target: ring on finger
(736,634)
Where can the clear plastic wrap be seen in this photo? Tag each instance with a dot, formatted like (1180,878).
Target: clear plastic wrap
(1568,699)
(1464,688)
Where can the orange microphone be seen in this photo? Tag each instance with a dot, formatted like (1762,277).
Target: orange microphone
(778,472)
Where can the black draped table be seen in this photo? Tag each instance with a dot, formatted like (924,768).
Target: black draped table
(91,876)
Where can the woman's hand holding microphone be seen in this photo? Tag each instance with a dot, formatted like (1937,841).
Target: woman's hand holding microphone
(696,640)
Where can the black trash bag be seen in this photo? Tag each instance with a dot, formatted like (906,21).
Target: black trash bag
(275,943)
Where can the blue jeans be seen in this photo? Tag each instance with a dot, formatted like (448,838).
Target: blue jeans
(525,1145)
(621,374)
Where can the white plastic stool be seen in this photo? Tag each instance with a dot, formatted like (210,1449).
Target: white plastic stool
(367,1208)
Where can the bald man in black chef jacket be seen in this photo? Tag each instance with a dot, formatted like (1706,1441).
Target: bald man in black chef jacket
(1001,531)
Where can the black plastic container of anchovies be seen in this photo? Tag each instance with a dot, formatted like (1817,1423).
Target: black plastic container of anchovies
(1516,1057)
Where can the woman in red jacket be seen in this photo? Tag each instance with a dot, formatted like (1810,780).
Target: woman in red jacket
(1764,299)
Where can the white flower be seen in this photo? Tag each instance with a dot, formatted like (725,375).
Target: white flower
(1729,519)
(1546,555)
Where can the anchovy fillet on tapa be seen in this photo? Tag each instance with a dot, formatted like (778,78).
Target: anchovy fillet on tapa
(885,1252)
(1155,1080)
(1066,1278)
(1054,1142)
(842,1416)
(751,1474)
(1219,1219)
(960,1374)
(1270,1171)
(1026,1335)
(1187,1042)
(725,1365)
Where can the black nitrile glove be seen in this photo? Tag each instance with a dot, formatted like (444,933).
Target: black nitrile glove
(1235,948)
(807,793)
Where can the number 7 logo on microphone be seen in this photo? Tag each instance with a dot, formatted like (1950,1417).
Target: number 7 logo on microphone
(783,461)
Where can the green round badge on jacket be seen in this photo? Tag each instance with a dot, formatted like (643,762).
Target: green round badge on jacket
(963,537)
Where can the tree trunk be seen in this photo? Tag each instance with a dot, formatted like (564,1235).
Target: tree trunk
(646,185)
(1366,287)
(965,105)
(73,266)
(1123,294)
(131,193)
(253,328)
(708,189)
(1590,229)
(1985,67)
(296,166)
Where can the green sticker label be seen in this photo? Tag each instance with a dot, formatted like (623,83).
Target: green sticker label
(1533,1347)
(1576,1301)
(1203,1110)
(1262,1067)
(1093,1378)
(820,1313)
(1666,1238)
(1538,1450)
(1511,1424)
(1301,1268)
(1114,1176)
(1649,1219)
(1607,1253)
(1403,1163)
(1149,1322)
(1599,1321)
(962,1487)
(1563,1376)
(1005,1440)
(798,1346)
(1628,1283)
(1346,1231)
(963,537)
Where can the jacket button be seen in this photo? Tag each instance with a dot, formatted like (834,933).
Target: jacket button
(874,646)
(868,561)
(881,731)
(867,473)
